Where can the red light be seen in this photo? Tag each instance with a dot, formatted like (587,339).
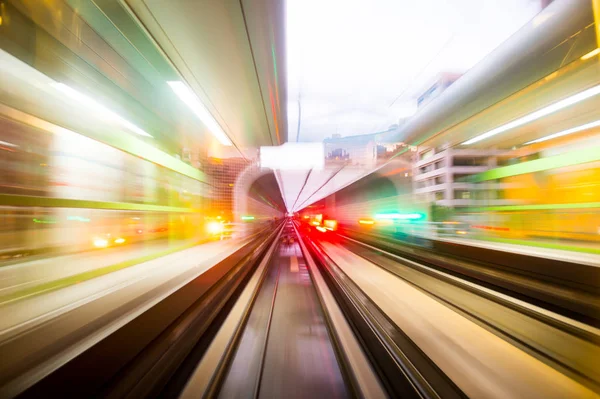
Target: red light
(330,224)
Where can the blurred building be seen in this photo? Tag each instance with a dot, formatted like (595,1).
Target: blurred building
(357,150)
(338,154)
(441,177)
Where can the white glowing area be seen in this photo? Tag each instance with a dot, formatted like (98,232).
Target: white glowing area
(293,156)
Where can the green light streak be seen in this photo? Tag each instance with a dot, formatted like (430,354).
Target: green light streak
(247,217)
(274,57)
(47,202)
(42,221)
(536,207)
(538,165)
(399,216)
(78,219)
(134,146)
(274,63)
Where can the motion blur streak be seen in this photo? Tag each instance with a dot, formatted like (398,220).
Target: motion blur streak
(189,98)
(567,102)
(103,111)
(269,198)
(566,132)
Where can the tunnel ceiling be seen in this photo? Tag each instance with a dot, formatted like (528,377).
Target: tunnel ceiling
(122,54)
(265,190)
(302,188)
(232,53)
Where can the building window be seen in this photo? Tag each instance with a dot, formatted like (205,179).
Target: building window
(462,194)
(461,177)
(425,169)
(439,180)
(469,162)
(439,195)
(426,154)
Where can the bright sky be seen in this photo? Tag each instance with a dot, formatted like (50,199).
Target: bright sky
(350,59)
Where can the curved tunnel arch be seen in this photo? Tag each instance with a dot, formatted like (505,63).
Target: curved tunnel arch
(256,185)
(373,186)
(381,191)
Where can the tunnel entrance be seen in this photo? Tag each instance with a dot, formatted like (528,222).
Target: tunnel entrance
(257,195)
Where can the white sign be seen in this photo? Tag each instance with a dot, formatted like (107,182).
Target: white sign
(293,156)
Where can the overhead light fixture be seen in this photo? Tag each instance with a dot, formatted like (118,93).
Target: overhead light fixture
(7,144)
(100,242)
(190,99)
(566,132)
(98,108)
(584,95)
(591,54)
(366,221)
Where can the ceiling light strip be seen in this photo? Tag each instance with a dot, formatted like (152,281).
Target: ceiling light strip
(190,99)
(566,132)
(7,144)
(584,95)
(100,109)
(591,54)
